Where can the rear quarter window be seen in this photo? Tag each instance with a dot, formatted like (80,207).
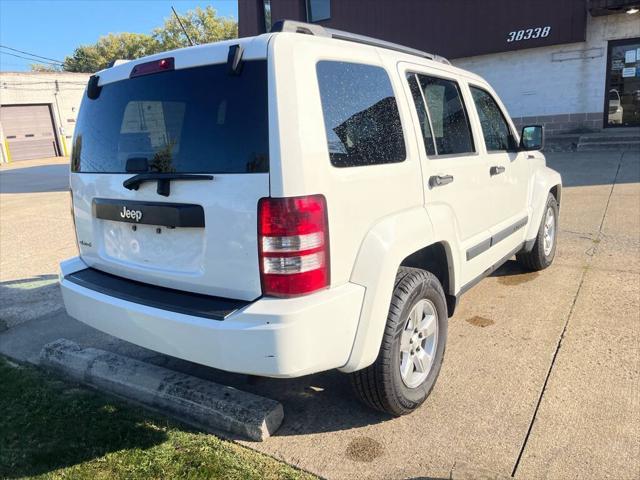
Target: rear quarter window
(360,113)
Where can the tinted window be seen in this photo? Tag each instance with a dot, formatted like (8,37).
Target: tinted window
(449,119)
(267,15)
(495,130)
(192,120)
(318,10)
(423,116)
(360,114)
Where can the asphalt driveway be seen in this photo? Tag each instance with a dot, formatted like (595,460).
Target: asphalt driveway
(541,376)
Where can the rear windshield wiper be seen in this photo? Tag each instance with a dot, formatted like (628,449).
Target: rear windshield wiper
(163,180)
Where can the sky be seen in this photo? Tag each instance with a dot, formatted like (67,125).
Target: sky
(54,28)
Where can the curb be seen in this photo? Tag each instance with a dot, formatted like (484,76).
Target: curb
(199,402)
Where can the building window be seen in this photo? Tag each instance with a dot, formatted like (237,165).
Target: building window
(622,94)
(267,15)
(360,113)
(318,10)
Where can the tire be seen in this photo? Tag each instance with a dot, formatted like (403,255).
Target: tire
(541,256)
(382,385)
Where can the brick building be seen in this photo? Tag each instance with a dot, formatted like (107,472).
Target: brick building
(572,65)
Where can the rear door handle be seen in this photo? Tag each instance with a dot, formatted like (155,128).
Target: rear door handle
(439,180)
(495,170)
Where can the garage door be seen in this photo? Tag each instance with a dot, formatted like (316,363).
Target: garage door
(29,131)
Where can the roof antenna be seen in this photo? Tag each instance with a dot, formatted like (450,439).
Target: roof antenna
(182,26)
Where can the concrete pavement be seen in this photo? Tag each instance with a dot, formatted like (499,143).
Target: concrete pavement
(541,374)
(36,232)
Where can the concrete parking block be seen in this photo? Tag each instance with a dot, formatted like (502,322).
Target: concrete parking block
(202,403)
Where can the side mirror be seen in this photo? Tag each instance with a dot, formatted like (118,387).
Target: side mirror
(532,137)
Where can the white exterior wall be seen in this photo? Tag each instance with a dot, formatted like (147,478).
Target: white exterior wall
(19,88)
(556,80)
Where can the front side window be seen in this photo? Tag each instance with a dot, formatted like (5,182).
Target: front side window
(495,130)
(449,122)
(360,113)
(318,10)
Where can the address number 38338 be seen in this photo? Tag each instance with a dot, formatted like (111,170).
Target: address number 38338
(528,34)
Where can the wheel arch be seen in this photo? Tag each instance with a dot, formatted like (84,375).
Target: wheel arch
(556,191)
(406,238)
(545,181)
(437,259)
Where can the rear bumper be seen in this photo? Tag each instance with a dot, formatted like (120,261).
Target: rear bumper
(269,337)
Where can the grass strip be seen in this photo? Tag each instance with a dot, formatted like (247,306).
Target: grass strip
(53,429)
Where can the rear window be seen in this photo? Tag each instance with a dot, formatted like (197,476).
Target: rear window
(196,120)
(360,114)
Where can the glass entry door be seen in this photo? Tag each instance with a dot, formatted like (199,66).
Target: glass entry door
(622,96)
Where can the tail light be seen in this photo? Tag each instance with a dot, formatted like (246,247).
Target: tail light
(293,245)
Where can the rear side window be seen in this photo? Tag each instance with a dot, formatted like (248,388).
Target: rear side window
(449,121)
(421,110)
(495,130)
(195,120)
(360,114)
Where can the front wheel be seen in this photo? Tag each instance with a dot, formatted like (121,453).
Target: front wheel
(412,347)
(544,248)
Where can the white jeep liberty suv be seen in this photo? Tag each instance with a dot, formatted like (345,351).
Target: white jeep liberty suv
(299,201)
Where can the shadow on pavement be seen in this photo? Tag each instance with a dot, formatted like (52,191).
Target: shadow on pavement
(41,178)
(322,402)
(510,267)
(28,298)
(596,168)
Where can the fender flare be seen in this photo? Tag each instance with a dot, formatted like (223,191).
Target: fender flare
(384,248)
(544,180)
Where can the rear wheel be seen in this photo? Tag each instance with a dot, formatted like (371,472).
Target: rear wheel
(412,347)
(544,248)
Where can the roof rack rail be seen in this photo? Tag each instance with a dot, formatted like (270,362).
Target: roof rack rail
(293,26)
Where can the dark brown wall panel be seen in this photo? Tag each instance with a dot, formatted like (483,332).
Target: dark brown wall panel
(454,28)
(291,9)
(250,18)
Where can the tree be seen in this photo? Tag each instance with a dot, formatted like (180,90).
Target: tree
(203,26)
(91,58)
(41,67)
